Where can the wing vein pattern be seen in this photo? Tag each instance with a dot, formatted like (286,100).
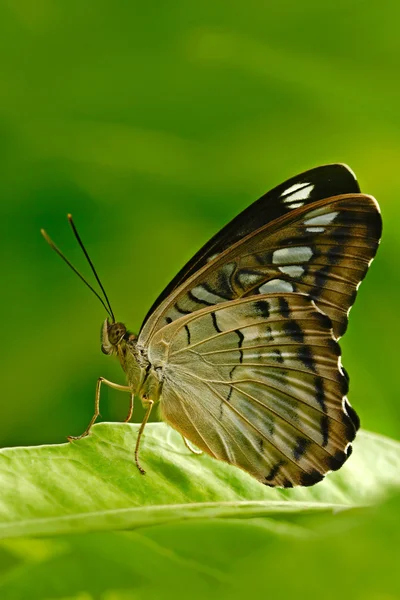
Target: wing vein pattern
(264,406)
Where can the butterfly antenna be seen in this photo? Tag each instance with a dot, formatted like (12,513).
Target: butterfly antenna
(91,265)
(65,259)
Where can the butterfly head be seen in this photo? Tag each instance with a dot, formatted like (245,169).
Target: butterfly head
(118,341)
(112,336)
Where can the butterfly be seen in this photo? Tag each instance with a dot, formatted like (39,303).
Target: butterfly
(241,349)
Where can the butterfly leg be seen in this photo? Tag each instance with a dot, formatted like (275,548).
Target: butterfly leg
(115,386)
(190,447)
(129,417)
(141,429)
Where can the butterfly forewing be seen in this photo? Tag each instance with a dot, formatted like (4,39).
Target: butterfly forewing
(304,189)
(257,382)
(323,249)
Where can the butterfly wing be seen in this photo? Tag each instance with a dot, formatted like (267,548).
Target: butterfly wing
(301,190)
(257,383)
(321,249)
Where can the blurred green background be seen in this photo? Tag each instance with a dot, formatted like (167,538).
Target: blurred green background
(154,124)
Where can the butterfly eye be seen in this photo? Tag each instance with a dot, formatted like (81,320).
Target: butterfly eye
(116,332)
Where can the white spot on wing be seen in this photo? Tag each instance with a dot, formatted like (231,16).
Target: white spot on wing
(340,366)
(276,285)
(298,191)
(315,229)
(295,205)
(347,445)
(293,188)
(294,254)
(292,270)
(324,219)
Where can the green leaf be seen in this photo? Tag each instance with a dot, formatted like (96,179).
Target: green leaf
(352,556)
(93,484)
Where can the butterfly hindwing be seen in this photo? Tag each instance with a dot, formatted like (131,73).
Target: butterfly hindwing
(257,382)
(323,249)
(302,190)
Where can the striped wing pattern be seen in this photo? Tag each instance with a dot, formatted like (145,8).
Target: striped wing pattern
(323,250)
(257,382)
(302,190)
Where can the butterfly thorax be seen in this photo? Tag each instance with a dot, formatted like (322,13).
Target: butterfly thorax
(144,379)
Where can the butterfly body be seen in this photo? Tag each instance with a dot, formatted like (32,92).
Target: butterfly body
(241,348)
(144,378)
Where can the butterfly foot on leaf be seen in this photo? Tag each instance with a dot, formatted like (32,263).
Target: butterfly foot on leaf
(143,472)
(71,438)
